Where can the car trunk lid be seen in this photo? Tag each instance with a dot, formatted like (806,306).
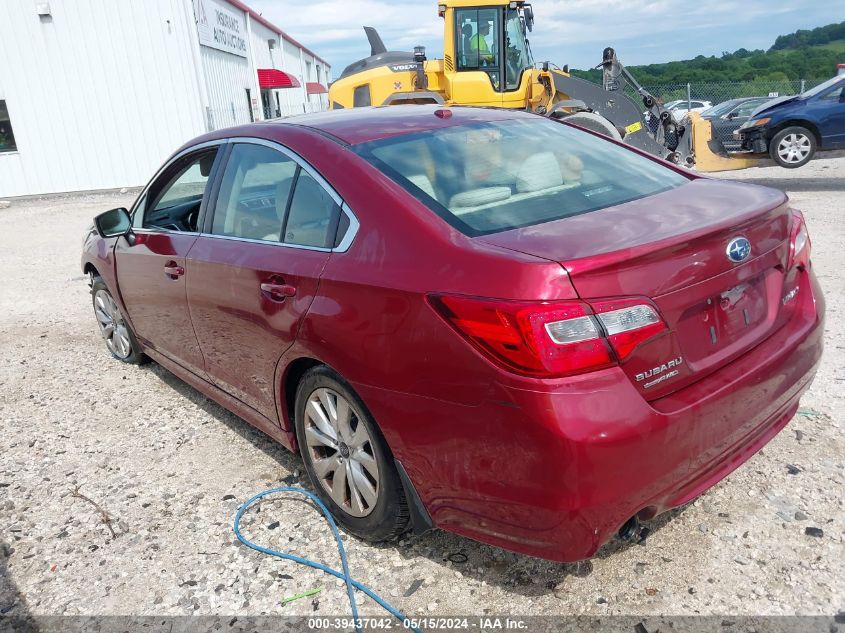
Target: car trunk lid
(671,248)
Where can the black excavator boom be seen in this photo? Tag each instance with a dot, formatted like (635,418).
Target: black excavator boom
(653,129)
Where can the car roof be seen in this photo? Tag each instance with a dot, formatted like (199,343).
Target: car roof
(361,125)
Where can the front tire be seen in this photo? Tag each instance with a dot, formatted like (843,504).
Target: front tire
(347,460)
(595,123)
(116,332)
(793,147)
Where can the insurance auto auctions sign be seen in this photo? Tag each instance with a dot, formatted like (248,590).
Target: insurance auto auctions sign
(219,27)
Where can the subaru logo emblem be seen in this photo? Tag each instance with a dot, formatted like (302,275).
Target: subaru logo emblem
(739,249)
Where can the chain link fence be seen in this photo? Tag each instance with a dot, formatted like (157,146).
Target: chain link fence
(680,98)
(281,110)
(715,93)
(301,108)
(217,118)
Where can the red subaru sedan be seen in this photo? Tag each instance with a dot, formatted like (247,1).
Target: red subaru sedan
(478,320)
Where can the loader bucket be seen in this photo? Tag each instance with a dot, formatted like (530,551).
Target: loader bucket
(710,155)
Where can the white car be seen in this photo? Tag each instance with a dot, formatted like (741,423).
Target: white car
(680,108)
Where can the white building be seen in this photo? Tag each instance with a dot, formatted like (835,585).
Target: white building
(95,94)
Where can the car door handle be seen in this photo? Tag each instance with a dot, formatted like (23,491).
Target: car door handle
(173,270)
(276,291)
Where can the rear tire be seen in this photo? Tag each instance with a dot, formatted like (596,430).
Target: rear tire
(793,147)
(116,332)
(348,462)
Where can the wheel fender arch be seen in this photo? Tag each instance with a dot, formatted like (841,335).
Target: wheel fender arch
(90,269)
(292,372)
(809,125)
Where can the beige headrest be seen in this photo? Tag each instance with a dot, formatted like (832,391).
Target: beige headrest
(539,171)
(571,168)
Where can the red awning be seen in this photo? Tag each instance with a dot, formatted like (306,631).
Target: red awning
(315,88)
(272,78)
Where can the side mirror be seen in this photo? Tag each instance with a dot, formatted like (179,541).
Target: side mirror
(113,223)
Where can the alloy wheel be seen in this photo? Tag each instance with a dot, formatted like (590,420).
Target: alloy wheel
(341,452)
(794,148)
(112,326)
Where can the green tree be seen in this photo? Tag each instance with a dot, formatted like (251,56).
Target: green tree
(805,54)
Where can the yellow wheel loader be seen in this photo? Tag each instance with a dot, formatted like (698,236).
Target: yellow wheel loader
(487,61)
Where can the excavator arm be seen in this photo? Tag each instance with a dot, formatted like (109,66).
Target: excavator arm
(593,106)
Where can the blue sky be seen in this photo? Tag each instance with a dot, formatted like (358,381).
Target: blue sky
(570,32)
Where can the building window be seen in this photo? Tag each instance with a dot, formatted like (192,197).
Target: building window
(7,138)
(307,71)
(319,79)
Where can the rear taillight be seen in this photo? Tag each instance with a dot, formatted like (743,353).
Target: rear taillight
(799,243)
(627,323)
(548,339)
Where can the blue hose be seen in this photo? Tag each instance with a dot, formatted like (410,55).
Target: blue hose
(344,575)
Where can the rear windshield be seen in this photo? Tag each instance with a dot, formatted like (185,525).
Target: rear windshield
(495,176)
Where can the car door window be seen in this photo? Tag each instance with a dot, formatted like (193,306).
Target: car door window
(746,109)
(267,195)
(138,212)
(173,202)
(518,55)
(254,193)
(477,34)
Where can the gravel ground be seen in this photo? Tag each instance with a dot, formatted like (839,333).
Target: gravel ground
(84,437)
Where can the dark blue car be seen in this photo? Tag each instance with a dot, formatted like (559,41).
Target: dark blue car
(793,129)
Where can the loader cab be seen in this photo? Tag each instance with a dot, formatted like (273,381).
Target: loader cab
(489,53)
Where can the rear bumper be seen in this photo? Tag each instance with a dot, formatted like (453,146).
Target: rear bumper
(554,470)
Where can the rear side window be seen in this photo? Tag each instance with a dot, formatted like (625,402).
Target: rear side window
(313,215)
(361,96)
(491,177)
(266,195)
